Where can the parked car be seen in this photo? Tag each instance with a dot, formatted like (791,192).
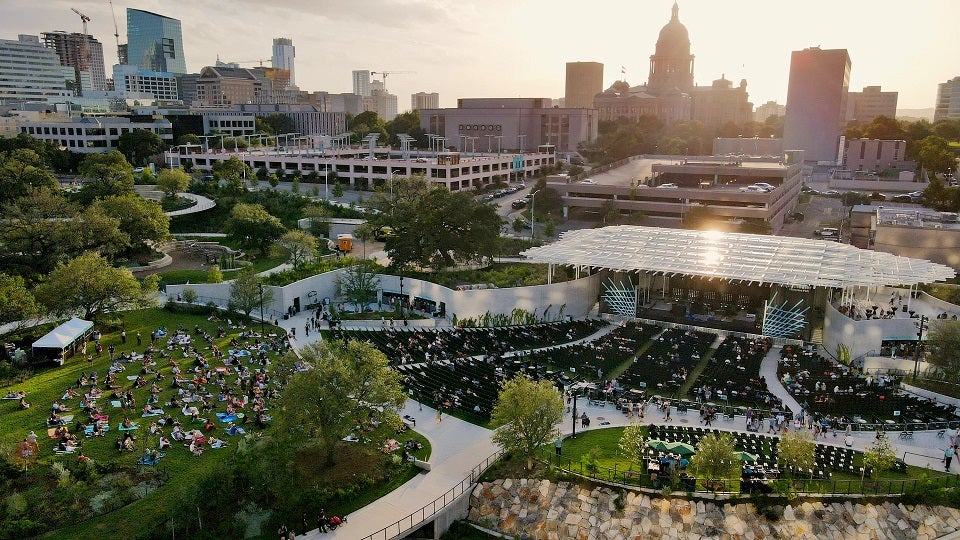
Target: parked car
(903,197)
(668,186)
(768,187)
(587,181)
(754,189)
(519,203)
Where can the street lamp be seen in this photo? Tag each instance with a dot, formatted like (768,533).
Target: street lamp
(921,326)
(403,313)
(533,216)
(263,332)
(574,393)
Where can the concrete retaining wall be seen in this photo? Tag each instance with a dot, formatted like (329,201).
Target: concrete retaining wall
(862,336)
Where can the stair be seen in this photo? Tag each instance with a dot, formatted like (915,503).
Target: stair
(816,337)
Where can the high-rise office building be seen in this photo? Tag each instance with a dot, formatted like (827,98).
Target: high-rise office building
(816,102)
(424,100)
(584,81)
(768,109)
(871,103)
(30,71)
(948,100)
(361,82)
(283,55)
(132,80)
(83,53)
(154,42)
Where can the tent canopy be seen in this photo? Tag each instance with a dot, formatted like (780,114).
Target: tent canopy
(64,335)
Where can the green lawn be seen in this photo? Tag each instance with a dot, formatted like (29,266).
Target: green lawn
(130,521)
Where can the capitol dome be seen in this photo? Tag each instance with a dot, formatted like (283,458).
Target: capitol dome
(671,65)
(674,39)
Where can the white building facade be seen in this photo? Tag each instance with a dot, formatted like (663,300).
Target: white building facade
(131,79)
(29,71)
(92,135)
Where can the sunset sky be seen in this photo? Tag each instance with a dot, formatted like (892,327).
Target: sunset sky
(508,48)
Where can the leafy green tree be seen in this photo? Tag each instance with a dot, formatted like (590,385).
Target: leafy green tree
(276,124)
(633,443)
(359,283)
(935,155)
(883,128)
(16,301)
(550,228)
(189,295)
(215,275)
(941,197)
(21,171)
(188,138)
(147,177)
(297,245)
(105,175)
(880,456)
(547,201)
(273,180)
(948,129)
(173,181)
(526,415)
(715,458)
(796,451)
(89,285)
(346,382)
(517,224)
(365,123)
(295,185)
(245,291)
(337,189)
(252,226)
(943,347)
(436,228)
(139,144)
(233,172)
(408,123)
(142,220)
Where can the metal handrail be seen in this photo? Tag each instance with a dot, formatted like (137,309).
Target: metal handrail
(395,529)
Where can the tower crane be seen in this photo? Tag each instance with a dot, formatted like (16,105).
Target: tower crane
(116,32)
(83,18)
(384,74)
(262,60)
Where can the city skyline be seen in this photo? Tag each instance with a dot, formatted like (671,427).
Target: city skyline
(503,49)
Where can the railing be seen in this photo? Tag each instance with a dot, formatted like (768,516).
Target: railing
(419,517)
(731,486)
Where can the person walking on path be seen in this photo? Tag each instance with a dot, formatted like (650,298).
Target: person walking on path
(559,445)
(948,457)
(666,409)
(322,521)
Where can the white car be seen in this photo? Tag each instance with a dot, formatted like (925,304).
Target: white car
(668,186)
(754,189)
(588,181)
(768,187)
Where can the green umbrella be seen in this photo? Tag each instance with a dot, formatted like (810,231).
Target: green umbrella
(746,456)
(657,444)
(681,448)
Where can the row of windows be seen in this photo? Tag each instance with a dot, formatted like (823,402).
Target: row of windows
(480,127)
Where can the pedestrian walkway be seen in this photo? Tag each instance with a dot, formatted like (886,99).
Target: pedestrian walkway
(768,370)
(457,447)
(202,204)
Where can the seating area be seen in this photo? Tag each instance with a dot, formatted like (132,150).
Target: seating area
(732,375)
(664,366)
(603,354)
(411,346)
(831,389)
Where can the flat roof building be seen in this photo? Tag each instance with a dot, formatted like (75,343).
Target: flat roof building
(84,54)
(424,100)
(872,102)
(29,71)
(948,100)
(155,42)
(219,86)
(584,81)
(875,155)
(92,134)
(361,82)
(131,79)
(283,56)
(816,102)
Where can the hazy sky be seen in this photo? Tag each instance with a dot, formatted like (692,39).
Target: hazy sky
(505,48)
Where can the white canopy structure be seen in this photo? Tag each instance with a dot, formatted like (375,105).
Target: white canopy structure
(761,259)
(62,340)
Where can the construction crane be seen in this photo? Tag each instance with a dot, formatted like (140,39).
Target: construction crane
(83,18)
(383,75)
(116,32)
(251,61)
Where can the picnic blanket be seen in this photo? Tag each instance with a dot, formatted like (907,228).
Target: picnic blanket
(155,412)
(236,430)
(132,427)
(90,429)
(63,420)
(116,404)
(224,417)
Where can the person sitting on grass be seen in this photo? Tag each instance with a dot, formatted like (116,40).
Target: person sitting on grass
(196,449)
(177,433)
(164,443)
(23,403)
(217,443)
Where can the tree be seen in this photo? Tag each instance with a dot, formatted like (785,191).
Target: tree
(943,346)
(173,181)
(16,302)
(142,220)
(297,245)
(147,177)
(364,233)
(88,284)
(346,383)
(253,226)
(276,124)
(408,123)
(795,452)
(883,128)
(880,456)
(633,444)
(935,155)
(139,144)
(337,190)
(547,202)
(215,275)
(948,129)
(715,458)
(359,283)
(188,138)
(517,224)
(233,172)
(435,227)
(22,171)
(105,175)
(526,415)
(245,291)
(189,295)
(273,180)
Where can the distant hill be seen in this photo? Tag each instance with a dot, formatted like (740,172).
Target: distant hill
(915,114)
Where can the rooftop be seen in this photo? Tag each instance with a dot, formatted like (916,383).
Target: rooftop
(749,258)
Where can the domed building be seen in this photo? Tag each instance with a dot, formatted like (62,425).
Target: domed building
(670,93)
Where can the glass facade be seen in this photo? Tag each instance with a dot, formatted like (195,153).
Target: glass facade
(154,42)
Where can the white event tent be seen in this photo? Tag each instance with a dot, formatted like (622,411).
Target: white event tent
(63,341)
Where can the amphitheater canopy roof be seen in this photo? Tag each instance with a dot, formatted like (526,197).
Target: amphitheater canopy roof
(764,259)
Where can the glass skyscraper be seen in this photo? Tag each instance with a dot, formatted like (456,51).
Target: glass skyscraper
(154,42)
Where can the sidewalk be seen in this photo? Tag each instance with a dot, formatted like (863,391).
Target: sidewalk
(768,370)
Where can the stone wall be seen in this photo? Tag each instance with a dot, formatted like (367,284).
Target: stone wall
(554,511)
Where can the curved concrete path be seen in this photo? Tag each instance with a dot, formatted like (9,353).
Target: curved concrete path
(768,370)
(202,204)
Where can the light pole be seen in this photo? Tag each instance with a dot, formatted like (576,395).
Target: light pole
(533,216)
(573,395)
(921,326)
(403,313)
(263,332)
